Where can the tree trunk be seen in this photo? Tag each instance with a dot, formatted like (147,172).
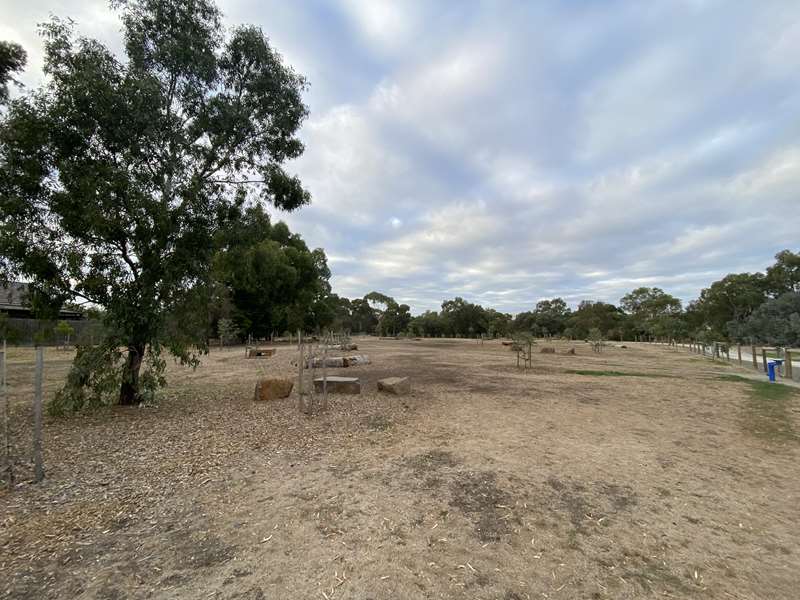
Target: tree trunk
(129,390)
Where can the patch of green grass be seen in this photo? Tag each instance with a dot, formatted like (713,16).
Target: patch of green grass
(767,412)
(615,374)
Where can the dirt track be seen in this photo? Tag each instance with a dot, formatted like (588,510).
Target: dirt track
(487,482)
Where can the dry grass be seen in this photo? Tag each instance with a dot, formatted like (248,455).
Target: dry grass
(563,481)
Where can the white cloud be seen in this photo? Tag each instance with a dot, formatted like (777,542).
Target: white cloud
(512,152)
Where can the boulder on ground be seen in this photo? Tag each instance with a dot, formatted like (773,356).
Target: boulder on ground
(395,385)
(271,388)
(339,385)
(507,343)
(570,351)
(548,350)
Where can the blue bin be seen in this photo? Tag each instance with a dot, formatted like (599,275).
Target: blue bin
(771,368)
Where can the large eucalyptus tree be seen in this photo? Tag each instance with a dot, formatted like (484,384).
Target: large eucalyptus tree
(117,173)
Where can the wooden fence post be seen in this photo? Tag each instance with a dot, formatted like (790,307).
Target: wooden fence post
(300,370)
(739,353)
(38,467)
(788,354)
(9,464)
(755,357)
(764,358)
(325,375)
(312,399)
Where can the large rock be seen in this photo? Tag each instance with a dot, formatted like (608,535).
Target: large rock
(395,385)
(548,350)
(339,385)
(271,388)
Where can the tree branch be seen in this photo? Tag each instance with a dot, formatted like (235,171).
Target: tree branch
(236,181)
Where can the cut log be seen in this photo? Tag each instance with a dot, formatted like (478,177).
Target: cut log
(260,352)
(356,360)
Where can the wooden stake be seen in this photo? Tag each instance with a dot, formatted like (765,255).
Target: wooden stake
(755,357)
(38,466)
(739,353)
(788,354)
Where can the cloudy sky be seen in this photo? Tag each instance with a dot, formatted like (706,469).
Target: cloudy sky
(512,151)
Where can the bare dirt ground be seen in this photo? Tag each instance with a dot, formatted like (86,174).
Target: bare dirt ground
(644,473)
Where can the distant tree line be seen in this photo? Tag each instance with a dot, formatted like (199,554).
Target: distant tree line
(741,307)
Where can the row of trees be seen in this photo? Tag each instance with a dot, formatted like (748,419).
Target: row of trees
(745,307)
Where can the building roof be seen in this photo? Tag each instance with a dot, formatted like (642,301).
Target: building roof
(14,298)
(12,295)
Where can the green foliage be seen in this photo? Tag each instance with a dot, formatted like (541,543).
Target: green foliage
(65,330)
(391,318)
(497,324)
(91,382)
(604,317)
(595,335)
(227,331)
(96,375)
(784,275)
(428,324)
(776,322)
(728,303)
(462,318)
(117,175)
(12,60)
(654,312)
(274,282)
(550,317)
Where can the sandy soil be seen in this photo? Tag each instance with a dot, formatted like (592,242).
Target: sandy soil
(486,482)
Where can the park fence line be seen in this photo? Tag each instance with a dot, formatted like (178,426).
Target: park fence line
(753,356)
